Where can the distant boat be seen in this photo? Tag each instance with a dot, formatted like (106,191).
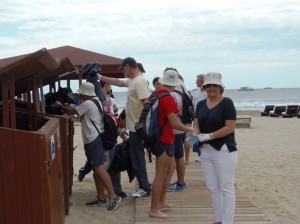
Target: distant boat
(245,88)
(268,88)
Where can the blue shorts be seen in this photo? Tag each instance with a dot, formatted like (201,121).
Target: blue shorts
(161,148)
(179,140)
(94,152)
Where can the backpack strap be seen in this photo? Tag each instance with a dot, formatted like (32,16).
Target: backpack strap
(101,111)
(98,105)
(160,96)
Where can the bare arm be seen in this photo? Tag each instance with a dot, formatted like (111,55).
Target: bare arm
(144,101)
(113,81)
(196,127)
(222,132)
(124,136)
(176,124)
(226,130)
(69,110)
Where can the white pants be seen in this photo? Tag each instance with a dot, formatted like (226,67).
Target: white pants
(218,169)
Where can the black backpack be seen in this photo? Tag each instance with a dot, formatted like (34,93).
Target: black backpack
(188,113)
(147,127)
(110,134)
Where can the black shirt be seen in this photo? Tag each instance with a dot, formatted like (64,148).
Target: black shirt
(210,120)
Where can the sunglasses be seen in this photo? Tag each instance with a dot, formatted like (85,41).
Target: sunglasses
(211,85)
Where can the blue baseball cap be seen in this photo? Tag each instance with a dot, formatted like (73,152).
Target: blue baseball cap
(128,61)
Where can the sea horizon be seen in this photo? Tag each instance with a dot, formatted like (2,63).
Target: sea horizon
(256,99)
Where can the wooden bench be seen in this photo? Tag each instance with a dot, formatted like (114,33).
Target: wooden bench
(243,121)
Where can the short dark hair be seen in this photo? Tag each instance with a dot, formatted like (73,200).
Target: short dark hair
(129,61)
(155,80)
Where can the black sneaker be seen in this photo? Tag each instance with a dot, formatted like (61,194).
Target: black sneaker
(80,177)
(122,194)
(113,203)
(96,202)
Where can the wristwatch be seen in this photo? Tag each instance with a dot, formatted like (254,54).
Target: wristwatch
(211,135)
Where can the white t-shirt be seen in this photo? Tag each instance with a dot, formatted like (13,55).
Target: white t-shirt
(89,110)
(138,89)
(199,95)
(108,104)
(178,99)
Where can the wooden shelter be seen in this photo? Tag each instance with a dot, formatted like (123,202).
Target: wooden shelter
(78,57)
(34,148)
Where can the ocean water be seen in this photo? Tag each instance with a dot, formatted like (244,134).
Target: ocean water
(247,100)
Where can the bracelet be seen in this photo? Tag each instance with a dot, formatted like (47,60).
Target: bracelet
(99,76)
(211,135)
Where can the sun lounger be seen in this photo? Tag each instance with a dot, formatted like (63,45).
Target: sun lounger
(278,110)
(267,110)
(243,121)
(291,111)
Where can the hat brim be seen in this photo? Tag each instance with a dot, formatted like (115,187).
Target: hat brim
(213,81)
(170,83)
(82,92)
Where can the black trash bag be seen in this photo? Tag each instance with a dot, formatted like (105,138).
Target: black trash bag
(122,160)
(53,106)
(65,95)
(89,72)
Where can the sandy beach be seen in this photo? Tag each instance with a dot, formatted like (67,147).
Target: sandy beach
(268,173)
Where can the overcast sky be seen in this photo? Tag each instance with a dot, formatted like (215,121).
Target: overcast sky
(252,43)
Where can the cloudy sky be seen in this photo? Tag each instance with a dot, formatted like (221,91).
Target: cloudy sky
(252,43)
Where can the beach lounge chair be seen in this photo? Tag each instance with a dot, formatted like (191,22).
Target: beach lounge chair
(243,121)
(277,111)
(267,110)
(291,111)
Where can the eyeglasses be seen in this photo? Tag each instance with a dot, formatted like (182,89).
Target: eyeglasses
(211,85)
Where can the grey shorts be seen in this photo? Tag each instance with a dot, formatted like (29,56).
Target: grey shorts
(94,152)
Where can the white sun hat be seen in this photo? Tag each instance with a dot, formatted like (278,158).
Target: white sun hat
(170,78)
(87,89)
(213,78)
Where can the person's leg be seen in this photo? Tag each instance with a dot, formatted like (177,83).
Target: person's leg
(225,167)
(84,171)
(116,182)
(162,164)
(171,169)
(137,155)
(179,185)
(101,173)
(179,159)
(187,149)
(95,155)
(99,187)
(211,180)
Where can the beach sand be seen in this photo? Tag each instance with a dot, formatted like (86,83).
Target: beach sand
(268,173)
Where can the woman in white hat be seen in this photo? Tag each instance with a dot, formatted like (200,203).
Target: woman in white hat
(214,124)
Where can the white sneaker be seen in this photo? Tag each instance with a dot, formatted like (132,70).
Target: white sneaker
(139,194)
(197,159)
